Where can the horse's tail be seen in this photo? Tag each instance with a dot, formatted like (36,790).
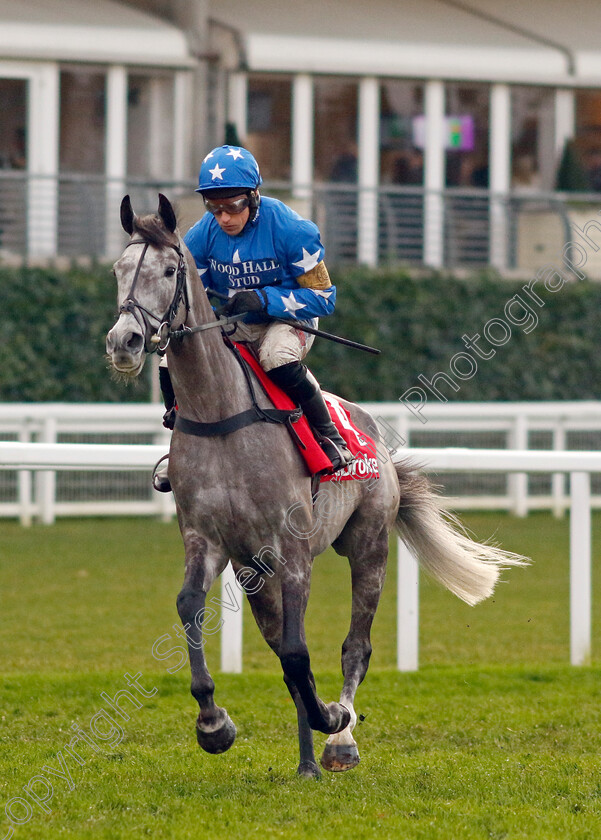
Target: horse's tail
(467,568)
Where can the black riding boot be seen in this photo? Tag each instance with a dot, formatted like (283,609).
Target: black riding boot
(302,387)
(168,395)
(160,476)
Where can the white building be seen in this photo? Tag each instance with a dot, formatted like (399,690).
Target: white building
(424,132)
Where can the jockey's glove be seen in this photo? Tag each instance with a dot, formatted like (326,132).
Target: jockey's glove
(247,301)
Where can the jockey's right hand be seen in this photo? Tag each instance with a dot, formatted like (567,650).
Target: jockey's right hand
(247,301)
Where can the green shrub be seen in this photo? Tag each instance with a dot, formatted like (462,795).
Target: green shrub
(54,325)
(418,323)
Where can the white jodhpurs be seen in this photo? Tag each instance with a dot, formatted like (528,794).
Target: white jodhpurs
(274,344)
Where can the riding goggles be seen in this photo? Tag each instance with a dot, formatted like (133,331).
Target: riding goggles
(232,207)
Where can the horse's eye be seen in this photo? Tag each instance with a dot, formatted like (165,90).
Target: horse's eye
(169,272)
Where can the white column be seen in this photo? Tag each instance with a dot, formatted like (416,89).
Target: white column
(25,485)
(434,173)
(43,114)
(368,171)
(115,156)
(558,481)
(518,482)
(302,136)
(237,112)
(500,172)
(182,107)
(231,629)
(160,141)
(565,119)
(580,569)
(46,479)
(407,609)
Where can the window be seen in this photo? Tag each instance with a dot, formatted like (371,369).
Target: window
(13,121)
(533,161)
(269,125)
(587,145)
(82,121)
(466,135)
(336,103)
(401,160)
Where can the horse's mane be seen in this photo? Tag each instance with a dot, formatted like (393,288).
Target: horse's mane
(152,230)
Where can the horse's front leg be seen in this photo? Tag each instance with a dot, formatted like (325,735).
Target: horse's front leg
(294,654)
(215,731)
(266,605)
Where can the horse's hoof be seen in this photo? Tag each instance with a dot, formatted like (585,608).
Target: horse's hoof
(309,770)
(340,757)
(219,740)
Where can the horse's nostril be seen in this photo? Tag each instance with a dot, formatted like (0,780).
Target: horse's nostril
(134,342)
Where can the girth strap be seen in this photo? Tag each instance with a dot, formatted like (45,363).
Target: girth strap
(236,421)
(252,415)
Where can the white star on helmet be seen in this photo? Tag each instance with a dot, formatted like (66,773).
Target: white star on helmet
(308,261)
(217,172)
(235,153)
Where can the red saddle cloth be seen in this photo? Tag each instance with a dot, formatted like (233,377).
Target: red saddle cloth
(365,465)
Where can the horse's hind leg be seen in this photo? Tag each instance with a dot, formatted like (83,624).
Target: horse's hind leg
(368,570)
(215,732)
(266,606)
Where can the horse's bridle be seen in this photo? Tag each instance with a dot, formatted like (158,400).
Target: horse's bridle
(142,314)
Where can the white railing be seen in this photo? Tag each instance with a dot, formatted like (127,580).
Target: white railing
(27,457)
(579,466)
(569,425)
(51,423)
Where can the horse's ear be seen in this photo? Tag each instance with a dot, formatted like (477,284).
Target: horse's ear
(127,215)
(167,213)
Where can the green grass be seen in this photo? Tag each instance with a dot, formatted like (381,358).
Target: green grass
(496,736)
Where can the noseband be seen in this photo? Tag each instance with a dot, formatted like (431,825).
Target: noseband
(142,314)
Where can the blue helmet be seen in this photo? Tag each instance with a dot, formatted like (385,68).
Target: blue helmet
(228,168)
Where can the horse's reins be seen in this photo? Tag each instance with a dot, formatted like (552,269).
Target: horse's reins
(156,341)
(159,341)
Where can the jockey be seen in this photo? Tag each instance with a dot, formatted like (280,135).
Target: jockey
(269,262)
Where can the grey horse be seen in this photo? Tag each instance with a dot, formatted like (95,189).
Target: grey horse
(246,496)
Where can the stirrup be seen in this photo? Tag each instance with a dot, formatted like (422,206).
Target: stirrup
(340,457)
(160,475)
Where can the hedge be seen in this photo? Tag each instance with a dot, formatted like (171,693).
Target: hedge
(54,325)
(418,323)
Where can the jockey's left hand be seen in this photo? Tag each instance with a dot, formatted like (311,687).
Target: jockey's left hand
(248,301)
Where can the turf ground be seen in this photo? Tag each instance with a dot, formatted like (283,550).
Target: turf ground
(496,736)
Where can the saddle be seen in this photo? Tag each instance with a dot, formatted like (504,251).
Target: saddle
(285,412)
(365,465)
